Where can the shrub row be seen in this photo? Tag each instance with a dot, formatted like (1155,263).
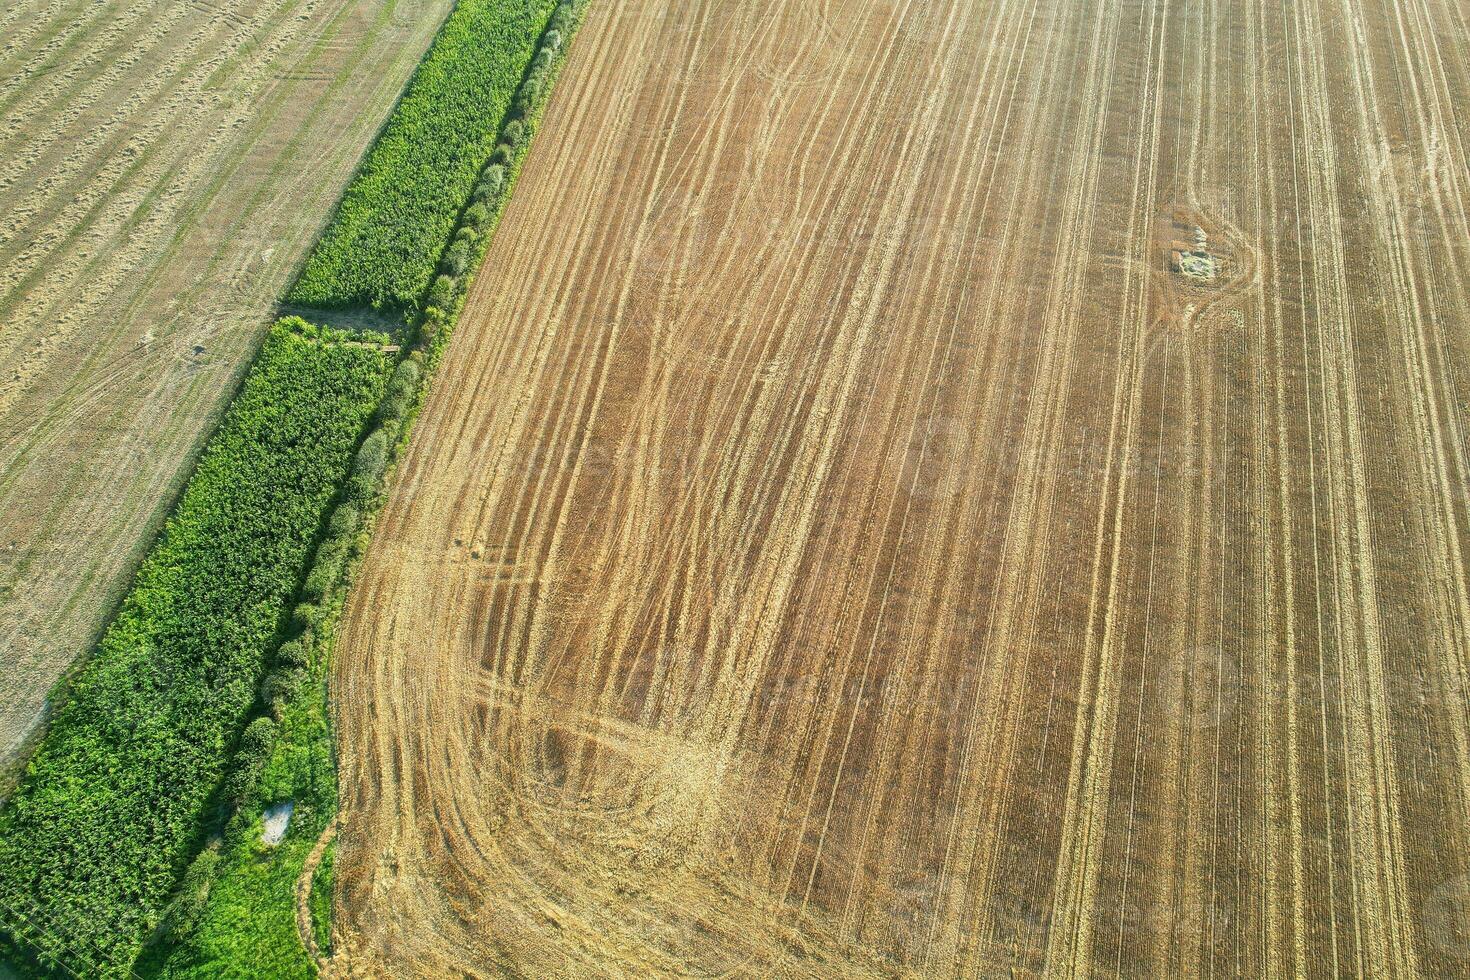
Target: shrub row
(487,200)
(115,800)
(243,920)
(248,920)
(395,217)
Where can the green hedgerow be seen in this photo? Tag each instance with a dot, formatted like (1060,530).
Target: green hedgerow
(110,808)
(384,242)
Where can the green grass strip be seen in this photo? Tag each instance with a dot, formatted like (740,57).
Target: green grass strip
(113,804)
(396,216)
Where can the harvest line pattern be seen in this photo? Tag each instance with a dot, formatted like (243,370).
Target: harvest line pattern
(843,540)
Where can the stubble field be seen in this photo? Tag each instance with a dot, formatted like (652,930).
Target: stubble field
(940,489)
(163,166)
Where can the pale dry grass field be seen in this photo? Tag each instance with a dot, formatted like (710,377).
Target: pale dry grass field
(163,166)
(941,489)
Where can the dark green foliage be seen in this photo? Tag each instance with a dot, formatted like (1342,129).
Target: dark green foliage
(368,467)
(395,407)
(373,456)
(256,740)
(238,784)
(189,902)
(345,519)
(255,744)
(403,387)
(457,259)
(526,98)
(477,218)
(442,295)
(248,926)
(293,653)
(405,379)
(394,219)
(276,689)
(489,188)
(114,801)
(304,617)
(326,566)
(321,578)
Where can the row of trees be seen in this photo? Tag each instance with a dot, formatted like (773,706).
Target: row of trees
(462,257)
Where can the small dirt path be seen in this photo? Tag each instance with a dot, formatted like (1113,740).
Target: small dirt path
(303,893)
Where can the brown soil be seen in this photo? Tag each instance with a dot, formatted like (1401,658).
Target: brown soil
(839,543)
(163,166)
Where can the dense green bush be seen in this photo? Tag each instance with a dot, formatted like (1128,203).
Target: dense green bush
(405,380)
(320,580)
(293,653)
(276,689)
(113,803)
(395,218)
(255,744)
(457,259)
(344,522)
(183,913)
(247,926)
(489,188)
(443,293)
(395,407)
(367,468)
(304,617)
(373,455)
(477,218)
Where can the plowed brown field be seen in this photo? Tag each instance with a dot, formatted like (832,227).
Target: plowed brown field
(163,165)
(842,540)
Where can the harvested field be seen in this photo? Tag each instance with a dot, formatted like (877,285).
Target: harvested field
(941,489)
(163,166)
